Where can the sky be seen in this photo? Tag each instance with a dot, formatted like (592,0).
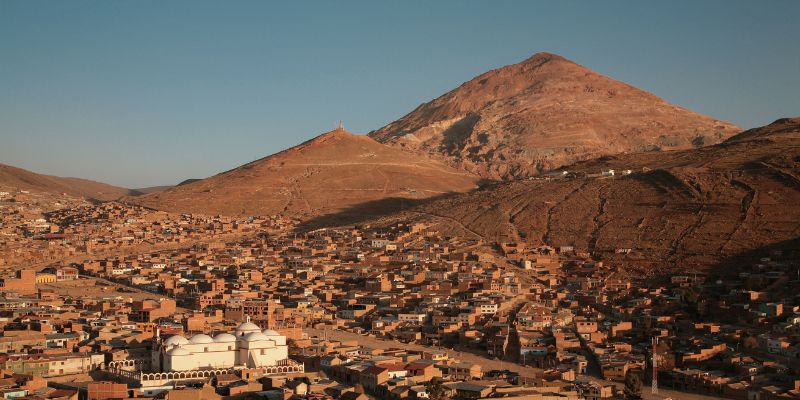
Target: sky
(144,93)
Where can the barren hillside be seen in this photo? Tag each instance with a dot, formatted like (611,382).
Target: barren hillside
(543,113)
(13,177)
(332,172)
(690,207)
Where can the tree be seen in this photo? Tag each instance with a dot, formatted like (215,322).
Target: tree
(435,389)
(666,358)
(750,343)
(633,385)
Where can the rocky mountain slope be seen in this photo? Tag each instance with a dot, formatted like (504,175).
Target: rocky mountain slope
(18,178)
(687,207)
(331,173)
(543,113)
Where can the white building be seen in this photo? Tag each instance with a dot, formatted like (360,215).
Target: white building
(414,318)
(247,347)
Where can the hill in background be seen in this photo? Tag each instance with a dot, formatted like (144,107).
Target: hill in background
(328,174)
(542,113)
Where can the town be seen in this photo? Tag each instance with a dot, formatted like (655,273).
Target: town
(416,200)
(113,301)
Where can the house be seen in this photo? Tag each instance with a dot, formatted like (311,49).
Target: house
(425,370)
(374,376)
(24,282)
(207,392)
(66,274)
(462,371)
(465,390)
(298,387)
(353,396)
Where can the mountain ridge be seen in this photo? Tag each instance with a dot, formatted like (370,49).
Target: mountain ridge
(19,178)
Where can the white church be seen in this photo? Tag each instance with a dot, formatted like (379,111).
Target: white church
(247,347)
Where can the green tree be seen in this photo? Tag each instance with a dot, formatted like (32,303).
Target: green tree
(435,389)
(633,385)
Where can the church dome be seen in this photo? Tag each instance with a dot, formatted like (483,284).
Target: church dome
(255,336)
(247,327)
(224,338)
(178,351)
(270,332)
(201,339)
(175,340)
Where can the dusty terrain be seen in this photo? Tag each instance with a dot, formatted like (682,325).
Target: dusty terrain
(332,172)
(543,113)
(688,208)
(26,180)
(95,288)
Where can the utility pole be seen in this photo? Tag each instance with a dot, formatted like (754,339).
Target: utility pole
(654,386)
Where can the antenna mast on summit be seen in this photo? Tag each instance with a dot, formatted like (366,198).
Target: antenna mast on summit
(340,126)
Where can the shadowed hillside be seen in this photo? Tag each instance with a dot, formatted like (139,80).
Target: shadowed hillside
(691,207)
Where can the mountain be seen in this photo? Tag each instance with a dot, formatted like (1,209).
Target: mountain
(150,189)
(188,181)
(542,113)
(683,207)
(331,173)
(18,178)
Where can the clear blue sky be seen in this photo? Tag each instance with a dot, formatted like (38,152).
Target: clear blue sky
(140,93)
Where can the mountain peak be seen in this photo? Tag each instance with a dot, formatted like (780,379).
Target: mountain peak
(779,127)
(336,135)
(339,131)
(789,121)
(542,113)
(543,57)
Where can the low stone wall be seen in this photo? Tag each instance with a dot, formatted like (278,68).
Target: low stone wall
(126,371)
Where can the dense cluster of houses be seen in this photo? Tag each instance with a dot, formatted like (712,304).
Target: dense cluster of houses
(40,228)
(565,325)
